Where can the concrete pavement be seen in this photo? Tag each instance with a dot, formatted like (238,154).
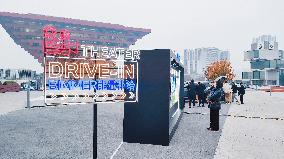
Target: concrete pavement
(191,141)
(260,137)
(51,132)
(251,131)
(12,101)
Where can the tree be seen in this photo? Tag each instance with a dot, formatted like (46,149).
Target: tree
(219,68)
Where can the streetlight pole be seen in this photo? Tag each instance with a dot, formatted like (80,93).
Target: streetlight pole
(28,95)
(95,132)
(95,129)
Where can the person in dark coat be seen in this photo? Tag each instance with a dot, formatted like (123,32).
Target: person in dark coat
(242,93)
(200,91)
(215,105)
(208,90)
(191,93)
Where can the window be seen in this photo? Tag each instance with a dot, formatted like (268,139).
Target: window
(260,64)
(247,75)
(273,63)
(256,75)
(28,37)
(280,63)
(35,44)
(256,53)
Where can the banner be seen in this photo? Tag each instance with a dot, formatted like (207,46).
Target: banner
(77,73)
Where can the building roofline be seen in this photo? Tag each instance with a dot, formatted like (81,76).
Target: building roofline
(73,21)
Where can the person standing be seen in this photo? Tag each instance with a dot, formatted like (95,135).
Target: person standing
(228,92)
(235,91)
(208,90)
(215,106)
(242,93)
(191,93)
(200,88)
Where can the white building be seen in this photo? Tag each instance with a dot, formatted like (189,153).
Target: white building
(196,61)
(266,60)
(16,74)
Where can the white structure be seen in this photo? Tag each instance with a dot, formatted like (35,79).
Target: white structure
(16,74)
(266,60)
(196,61)
(263,47)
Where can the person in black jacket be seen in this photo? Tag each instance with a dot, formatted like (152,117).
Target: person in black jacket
(191,93)
(208,90)
(242,93)
(215,105)
(200,88)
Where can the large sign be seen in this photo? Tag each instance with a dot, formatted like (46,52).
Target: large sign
(77,73)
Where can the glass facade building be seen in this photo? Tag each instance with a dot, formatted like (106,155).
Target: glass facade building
(266,63)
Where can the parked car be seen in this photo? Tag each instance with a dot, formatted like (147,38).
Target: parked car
(9,86)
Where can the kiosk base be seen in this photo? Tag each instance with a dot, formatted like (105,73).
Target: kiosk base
(149,121)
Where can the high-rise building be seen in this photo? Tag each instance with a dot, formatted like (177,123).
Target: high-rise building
(196,61)
(266,62)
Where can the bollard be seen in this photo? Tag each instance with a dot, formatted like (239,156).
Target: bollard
(270,90)
(28,96)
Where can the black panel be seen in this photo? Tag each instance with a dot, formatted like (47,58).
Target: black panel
(147,121)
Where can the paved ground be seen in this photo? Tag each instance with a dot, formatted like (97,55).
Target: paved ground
(191,141)
(11,101)
(110,117)
(261,137)
(66,131)
(54,132)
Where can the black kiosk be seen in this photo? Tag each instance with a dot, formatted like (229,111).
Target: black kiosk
(155,117)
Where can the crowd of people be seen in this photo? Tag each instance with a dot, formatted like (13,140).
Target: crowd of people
(229,93)
(213,94)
